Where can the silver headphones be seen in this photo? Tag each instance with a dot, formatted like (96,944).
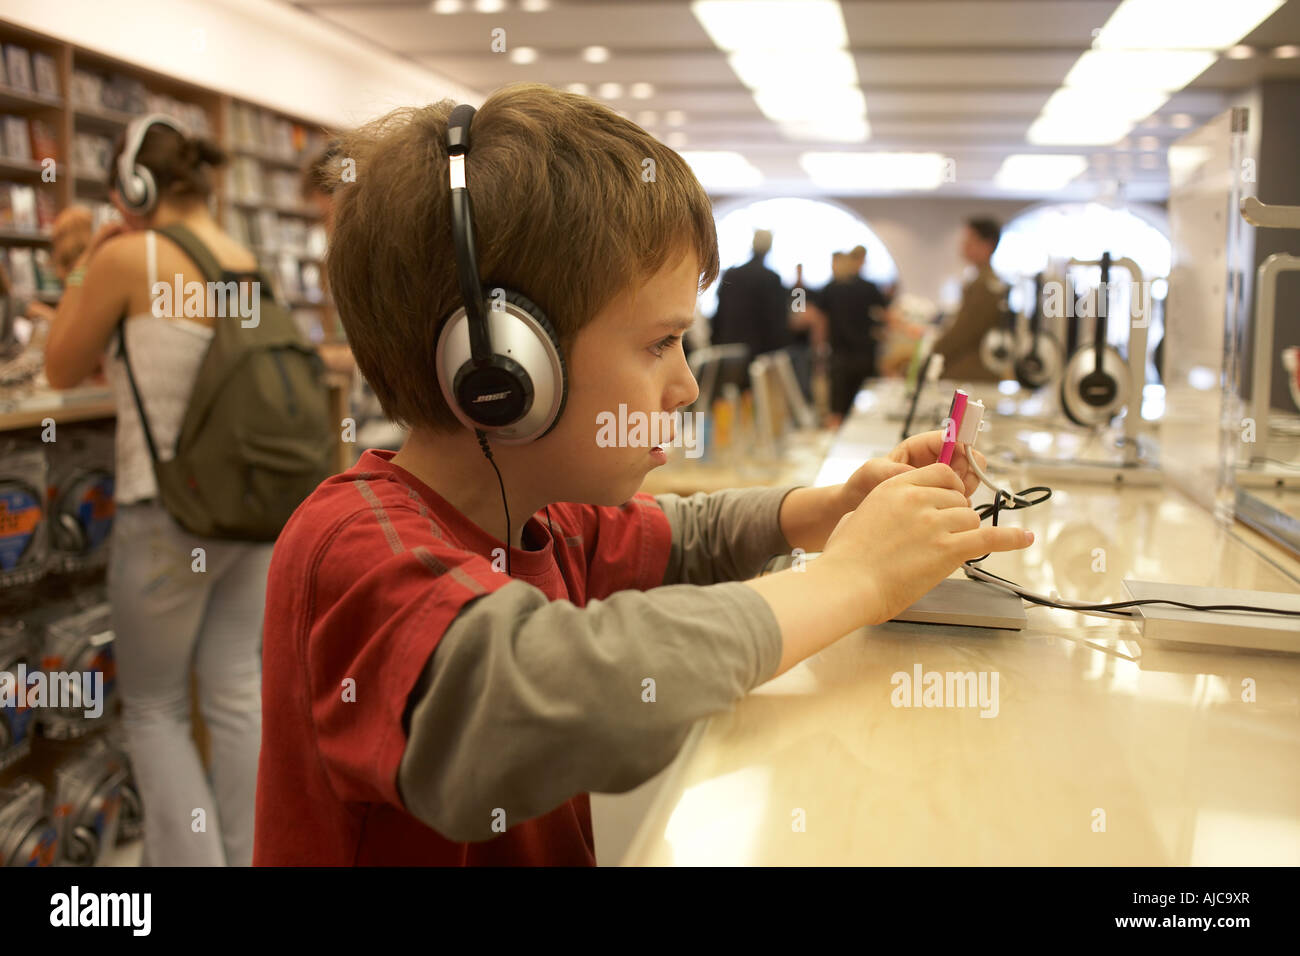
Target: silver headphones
(135,182)
(499,362)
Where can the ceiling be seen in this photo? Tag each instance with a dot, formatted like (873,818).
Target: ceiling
(961,78)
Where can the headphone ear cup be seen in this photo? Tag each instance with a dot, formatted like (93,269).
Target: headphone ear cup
(1081,377)
(527,304)
(1040,364)
(523,339)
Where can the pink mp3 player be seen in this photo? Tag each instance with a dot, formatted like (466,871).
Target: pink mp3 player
(952,426)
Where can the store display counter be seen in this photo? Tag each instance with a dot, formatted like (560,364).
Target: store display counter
(1091,746)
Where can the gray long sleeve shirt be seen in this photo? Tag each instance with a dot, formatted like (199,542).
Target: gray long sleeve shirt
(527,701)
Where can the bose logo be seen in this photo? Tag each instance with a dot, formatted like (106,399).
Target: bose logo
(490,397)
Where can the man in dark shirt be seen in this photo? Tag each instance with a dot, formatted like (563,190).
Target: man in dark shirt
(752,304)
(854,310)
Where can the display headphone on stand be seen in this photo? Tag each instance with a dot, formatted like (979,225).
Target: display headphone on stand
(1041,362)
(500,369)
(1094,387)
(134,181)
(998,347)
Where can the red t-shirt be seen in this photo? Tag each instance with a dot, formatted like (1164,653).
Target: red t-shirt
(366,576)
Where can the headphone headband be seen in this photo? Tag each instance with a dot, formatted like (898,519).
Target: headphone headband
(462,229)
(135,182)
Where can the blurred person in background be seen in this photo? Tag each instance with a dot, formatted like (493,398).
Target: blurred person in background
(167,619)
(980,308)
(753,306)
(855,310)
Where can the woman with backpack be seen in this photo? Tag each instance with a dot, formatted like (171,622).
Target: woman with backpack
(187,583)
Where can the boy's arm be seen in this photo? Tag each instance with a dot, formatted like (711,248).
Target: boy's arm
(723,536)
(730,535)
(526,702)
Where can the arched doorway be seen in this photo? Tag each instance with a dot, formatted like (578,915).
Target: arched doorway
(804,231)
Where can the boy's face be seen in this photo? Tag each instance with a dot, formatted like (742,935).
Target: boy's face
(630,354)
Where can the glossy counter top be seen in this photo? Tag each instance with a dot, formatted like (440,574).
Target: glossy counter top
(1085,747)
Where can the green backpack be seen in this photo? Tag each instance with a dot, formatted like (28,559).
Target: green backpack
(256,438)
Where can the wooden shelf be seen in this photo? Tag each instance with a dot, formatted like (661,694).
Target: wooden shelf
(98,117)
(20,101)
(300,212)
(17,237)
(272,159)
(27,169)
(85,403)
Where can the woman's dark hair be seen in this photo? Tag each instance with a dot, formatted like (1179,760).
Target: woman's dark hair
(317,178)
(179,164)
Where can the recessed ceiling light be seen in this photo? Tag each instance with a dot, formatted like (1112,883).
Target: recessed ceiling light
(787,24)
(849,129)
(872,171)
(1187,25)
(1288,52)
(1039,171)
(641,91)
(647,118)
(535,6)
(1181,121)
(1239,52)
(610,91)
(1123,70)
(523,55)
(489,6)
(580,88)
(446,6)
(675,118)
(721,169)
(1149,161)
(676,139)
(596,54)
(1148,144)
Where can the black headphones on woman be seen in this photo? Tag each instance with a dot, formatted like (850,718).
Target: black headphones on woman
(134,181)
(500,368)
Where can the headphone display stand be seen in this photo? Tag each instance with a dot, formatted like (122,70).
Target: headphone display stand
(1260,471)
(1136,464)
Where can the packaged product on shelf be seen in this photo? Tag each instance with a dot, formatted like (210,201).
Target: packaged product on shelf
(81,674)
(47,282)
(87,89)
(19,657)
(28,836)
(88,804)
(17,142)
(80,504)
(18,66)
(47,208)
(23,200)
(6,206)
(45,145)
(23,544)
(46,74)
(22,272)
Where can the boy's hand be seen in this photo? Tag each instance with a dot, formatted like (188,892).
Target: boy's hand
(916,452)
(910,533)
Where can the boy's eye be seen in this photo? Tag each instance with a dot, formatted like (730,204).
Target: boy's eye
(664,344)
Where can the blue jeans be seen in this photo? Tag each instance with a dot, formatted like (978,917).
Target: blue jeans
(168,618)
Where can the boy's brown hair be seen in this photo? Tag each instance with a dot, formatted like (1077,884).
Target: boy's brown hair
(566,211)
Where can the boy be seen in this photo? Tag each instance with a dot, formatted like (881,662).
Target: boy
(420,705)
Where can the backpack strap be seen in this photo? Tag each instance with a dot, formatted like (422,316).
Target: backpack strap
(135,390)
(196,250)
